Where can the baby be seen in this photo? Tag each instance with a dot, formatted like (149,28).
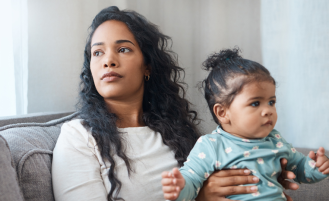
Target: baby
(241,97)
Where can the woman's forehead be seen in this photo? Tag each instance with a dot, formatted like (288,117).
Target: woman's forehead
(111,31)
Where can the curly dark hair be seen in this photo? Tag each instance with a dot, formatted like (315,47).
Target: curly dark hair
(165,108)
(229,72)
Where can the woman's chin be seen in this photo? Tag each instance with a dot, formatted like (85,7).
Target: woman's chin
(111,95)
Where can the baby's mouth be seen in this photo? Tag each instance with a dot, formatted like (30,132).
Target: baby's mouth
(268,123)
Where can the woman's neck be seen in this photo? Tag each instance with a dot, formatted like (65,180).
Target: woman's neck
(129,113)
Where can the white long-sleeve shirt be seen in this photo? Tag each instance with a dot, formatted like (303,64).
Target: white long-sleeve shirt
(78,171)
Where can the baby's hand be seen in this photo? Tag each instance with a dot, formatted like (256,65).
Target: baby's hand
(322,162)
(172,184)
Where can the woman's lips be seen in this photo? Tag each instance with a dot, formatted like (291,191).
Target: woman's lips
(111,76)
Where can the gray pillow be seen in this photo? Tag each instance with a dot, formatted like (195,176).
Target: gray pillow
(31,146)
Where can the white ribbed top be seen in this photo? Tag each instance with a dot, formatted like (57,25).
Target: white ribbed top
(79,173)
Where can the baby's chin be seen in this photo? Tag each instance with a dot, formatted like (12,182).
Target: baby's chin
(254,136)
(260,135)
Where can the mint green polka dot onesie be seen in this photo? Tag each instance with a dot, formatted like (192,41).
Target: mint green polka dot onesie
(221,150)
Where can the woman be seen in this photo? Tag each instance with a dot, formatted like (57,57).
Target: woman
(135,122)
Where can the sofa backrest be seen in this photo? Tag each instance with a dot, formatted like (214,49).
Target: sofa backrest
(31,146)
(32,118)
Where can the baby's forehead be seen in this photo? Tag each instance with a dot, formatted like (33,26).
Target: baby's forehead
(263,89)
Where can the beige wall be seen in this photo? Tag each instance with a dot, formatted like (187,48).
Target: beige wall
(58,30)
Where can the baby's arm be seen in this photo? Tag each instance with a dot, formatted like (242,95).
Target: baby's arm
(306,167)
(172,184)
(322,161)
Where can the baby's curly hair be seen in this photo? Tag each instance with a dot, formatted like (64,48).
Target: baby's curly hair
(229,72)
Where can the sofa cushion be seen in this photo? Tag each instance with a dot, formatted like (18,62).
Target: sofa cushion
(31,146)
(9,189)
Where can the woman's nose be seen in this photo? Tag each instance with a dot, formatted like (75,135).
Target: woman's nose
(112,64)
(111,61)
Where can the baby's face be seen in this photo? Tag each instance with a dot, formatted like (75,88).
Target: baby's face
(252,113)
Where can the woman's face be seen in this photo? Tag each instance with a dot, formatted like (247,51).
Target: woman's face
(117,64)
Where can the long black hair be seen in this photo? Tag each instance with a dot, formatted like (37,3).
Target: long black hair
(229,72)
(165,109)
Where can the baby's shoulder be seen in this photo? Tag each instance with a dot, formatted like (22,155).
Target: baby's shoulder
(212,136)
(213,139)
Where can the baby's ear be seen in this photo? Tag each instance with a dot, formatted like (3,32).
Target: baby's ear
(221,113)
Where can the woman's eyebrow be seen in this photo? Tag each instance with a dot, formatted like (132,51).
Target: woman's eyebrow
(99,43)
(124,41)
(117,42)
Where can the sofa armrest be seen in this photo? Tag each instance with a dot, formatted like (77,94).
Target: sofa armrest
(31,146)
(9,188)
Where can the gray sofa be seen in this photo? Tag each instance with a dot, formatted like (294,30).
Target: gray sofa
(26,154)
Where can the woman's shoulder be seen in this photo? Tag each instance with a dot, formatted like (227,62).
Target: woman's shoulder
(74,123)
(75,133)
(73,128)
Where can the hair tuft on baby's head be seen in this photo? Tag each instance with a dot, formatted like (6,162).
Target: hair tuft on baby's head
(221,59)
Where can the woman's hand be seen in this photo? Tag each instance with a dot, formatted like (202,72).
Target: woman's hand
(287,175)
(225,182)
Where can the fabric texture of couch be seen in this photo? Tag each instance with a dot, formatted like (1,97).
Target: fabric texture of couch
(31,146)
(9,189)
(26,155)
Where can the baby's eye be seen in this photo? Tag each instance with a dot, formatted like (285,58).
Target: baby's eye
(97,53)
(124,50)
(272,102)
(255,104)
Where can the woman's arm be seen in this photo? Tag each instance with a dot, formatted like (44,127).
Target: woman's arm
(76,171)
(225,182)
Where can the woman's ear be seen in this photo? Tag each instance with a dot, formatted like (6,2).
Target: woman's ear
(148,70)
(221,113)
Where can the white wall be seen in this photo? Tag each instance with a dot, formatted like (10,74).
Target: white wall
(295,46)
(199,28)
(7,72)
(57,34)
(58,30)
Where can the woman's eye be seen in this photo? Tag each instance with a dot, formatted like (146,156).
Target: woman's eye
(97,53)
(124,50)
(272,102)
(255,104)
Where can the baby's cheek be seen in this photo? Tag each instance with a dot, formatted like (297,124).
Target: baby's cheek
(249,127)
(253,123)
